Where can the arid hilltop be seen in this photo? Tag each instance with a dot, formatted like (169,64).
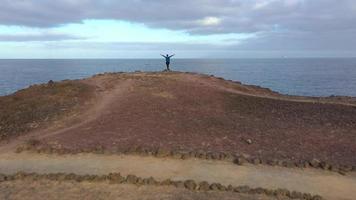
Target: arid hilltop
(180,115)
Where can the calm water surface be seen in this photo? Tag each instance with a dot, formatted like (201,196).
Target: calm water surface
(310,77)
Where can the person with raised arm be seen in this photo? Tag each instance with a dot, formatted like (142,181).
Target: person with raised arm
(168,60)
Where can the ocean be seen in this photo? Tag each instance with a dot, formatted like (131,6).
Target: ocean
(302,76)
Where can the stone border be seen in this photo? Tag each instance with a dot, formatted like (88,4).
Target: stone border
(187,154)
(116,178)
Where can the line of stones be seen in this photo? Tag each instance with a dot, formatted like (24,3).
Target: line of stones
(117,178)
(186,154)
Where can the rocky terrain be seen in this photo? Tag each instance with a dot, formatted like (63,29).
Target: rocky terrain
(184,116)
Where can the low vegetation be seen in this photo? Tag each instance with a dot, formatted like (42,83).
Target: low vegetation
(39,105)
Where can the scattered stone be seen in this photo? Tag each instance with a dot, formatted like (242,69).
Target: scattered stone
(190,184)
(315,163)
(324,165)
(230,188)
(204,186)
(240,160)
(242,189)
(216,156)
(149,181)
(248,141)
(346,168)
(281,192)
(295,195)
(214,186)
(166,182)
(176,154)
(272,162)
(116,178)
(317,197)
(307,196)
(131,179)
(256,161)
(288,164)
(179,184)
(139,181)
(201,154)
(2,178)
(209,156)
(161,152)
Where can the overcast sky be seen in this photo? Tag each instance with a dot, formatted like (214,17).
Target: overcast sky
(189,28)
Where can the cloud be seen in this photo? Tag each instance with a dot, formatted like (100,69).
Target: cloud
(37,37)
(226,15)
(280,24)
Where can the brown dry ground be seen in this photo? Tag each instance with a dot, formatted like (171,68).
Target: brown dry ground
(43,190)
(40,105)
(329,185)
(190,111)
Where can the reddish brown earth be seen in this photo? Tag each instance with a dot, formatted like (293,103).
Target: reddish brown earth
(190,111)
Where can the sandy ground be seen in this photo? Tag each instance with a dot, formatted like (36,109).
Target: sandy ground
(328,184)
(43,190)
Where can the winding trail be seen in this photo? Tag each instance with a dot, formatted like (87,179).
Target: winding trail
(327,184)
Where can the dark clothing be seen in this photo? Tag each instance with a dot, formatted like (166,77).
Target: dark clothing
(168,60)
(167,64)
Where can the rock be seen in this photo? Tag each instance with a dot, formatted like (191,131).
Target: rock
(281,192)
(230,188)
(139,181)
(324,165)
(185,156)
(353,168)
(166,182)
(317,197)
(216,156)
(204,186)
(256,161)
(201,154)
(209,156)
(248,141)
(342,172)
(314,163)
(149,181)
(190,184)
(116,178)
(2,178)
(272,162)
(307,196)
(288,164)
(131,179)
(259,191)
(229,157)
(296,195)
(161,152)
(179,184)
(240,160)
(242,189)
(214,187)
(346,168)
(176,154)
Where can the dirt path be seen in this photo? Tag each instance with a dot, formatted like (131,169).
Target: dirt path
(328,184)
(104,98)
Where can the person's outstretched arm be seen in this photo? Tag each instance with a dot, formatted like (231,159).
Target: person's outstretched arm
(163,55)
(172,55)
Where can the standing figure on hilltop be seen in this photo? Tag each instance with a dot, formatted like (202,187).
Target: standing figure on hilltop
(168,60)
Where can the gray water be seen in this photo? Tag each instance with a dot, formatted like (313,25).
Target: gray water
(308,77)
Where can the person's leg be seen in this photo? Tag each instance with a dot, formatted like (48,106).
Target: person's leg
(167,63)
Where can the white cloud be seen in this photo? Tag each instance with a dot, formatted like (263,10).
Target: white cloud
(210,21)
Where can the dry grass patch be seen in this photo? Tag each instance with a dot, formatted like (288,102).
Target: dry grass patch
(39,105)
